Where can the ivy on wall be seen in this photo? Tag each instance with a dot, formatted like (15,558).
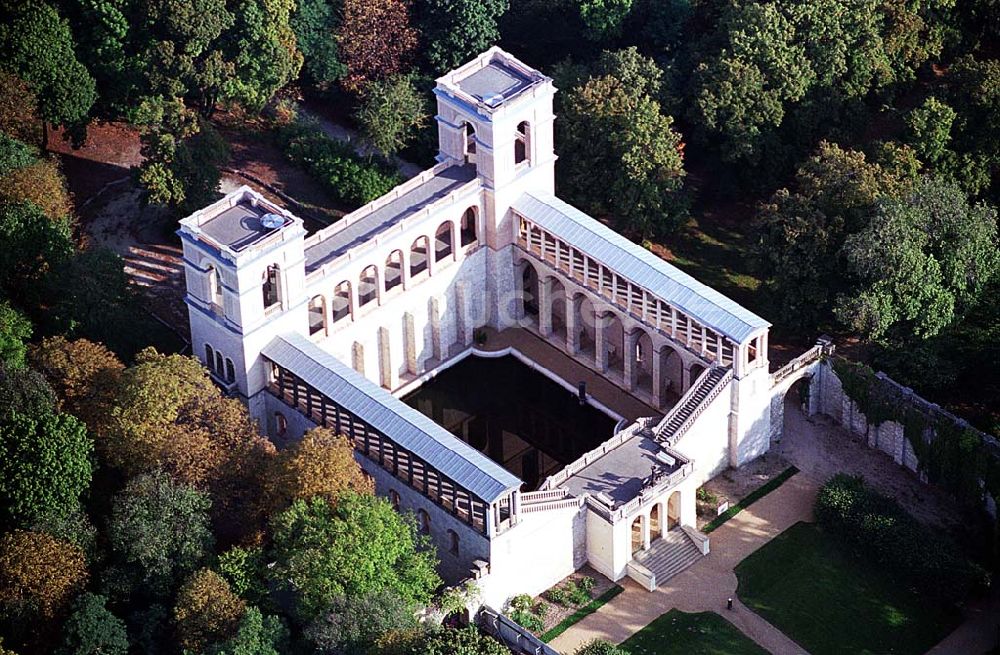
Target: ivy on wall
(953,455)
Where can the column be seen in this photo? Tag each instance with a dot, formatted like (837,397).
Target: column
(573,323)
(435,315)
(600,347)
(545,306)
(388,375)
(410,343)
(686,378)
(462,307)
(645,532)
(358,357)
(630,368)
(405,268)
(657,377)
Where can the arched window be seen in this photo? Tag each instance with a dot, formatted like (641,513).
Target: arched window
(342,301)
(394,499)
(453,542)
(424,521)
(230,371)
(220,366)
(470,142)
(468,232)
(317,315)
(214,286)
(368,286)
(394,269)
(418,256)
(521,143)
(209,357)
(270,287)
(280,424)
(442,241)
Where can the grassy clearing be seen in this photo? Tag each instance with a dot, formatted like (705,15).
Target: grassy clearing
(679,633)
(578,615)
(750,499)
(831,603)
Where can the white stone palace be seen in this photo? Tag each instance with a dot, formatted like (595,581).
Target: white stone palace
(333,328)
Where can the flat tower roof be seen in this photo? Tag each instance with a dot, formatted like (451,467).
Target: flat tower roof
(240,225)
(490,80)
(495,80)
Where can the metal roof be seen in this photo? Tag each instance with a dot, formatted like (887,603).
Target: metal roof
(701,302)
(405,426)
(494,79)
(344,236)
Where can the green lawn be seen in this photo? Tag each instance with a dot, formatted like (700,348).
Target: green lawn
(831,603)
(679,633)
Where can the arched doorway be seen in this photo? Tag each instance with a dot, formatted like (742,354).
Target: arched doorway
(529,291)
(671,375)
(394,269)
(443,241)
(637,540)
(614,343)
(643,362)
(468,228)
(655,522)
(557,305)
(418,256)
(674,510)
(586,324)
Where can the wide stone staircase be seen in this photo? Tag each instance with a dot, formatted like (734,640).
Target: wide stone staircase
(669,556)
(679,419)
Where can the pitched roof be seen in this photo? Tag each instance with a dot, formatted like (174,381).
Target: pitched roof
(701,302)
(405,426)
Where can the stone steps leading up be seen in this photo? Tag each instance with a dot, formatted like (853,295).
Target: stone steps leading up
(669,556)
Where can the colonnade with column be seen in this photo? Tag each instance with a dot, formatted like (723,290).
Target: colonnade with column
(614,343)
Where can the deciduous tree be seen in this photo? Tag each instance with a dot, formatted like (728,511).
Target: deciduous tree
(15,330)
(18,110)
(39,575)
(33,245)
(315,23)
(92,629)
(391,112)
(455,31)
(924,257)
(320,464)
(15,154)
(351,624)
(159,532)
(36,43)
(604,19)
(376,40)
(261,45)
(44,466)
(25,391)
(83,374)
(206,611)
(361,545)
(42,184)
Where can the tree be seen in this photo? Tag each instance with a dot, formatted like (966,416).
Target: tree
(361,545)
(315,23)
(206,611)
(455,31)
(320,464)
(42,184)
(604,19)
(351,624)
(15,330)
(39,574)
(376,40)
(611,123)
(38,46)
(169,415)
(15,154)
(18,110)
(974,92)
(26,392)
(391,112)
(92,629)
(740,93)
(244,570)
(159,531)
(925,257)
(44,466)
(262,48)
(801,232)
(84,374)
(257,634)
(33,244)
(930,128)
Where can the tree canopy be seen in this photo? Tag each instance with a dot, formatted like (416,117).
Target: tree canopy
(455,31)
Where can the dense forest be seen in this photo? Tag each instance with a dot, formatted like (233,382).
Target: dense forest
(833,165)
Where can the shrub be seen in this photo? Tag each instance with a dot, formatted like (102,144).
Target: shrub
(877,528)
(600,647)
(351,179)
(557,595)
(587,584)
(576,594)
(523,610)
